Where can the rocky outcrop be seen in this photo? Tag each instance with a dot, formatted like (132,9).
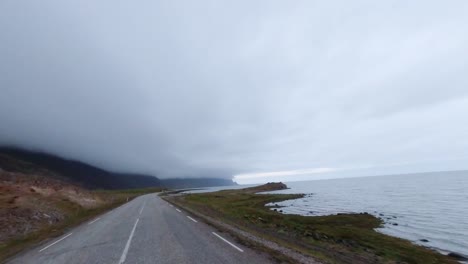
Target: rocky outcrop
(271,186)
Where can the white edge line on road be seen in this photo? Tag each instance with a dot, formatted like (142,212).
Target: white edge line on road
(141,210)
(231,244)
(127,246)
(178,210)
(171,205)
(55,242)
(192,219)
(94,220)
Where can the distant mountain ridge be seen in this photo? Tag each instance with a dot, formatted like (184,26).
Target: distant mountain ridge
(91,177)
(179,183)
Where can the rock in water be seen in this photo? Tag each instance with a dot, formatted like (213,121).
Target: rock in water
(457,256)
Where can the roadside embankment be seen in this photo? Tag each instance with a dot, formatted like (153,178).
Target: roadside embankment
(35,207)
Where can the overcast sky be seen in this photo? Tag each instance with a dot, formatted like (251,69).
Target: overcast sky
(255,90)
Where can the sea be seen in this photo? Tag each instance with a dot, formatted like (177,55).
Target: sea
(429,209)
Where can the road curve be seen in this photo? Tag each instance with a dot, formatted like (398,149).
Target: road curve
(144,230)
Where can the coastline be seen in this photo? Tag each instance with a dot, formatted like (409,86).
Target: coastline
(343,238)
(423,208)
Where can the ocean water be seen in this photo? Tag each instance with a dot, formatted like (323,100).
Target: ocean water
(431,206)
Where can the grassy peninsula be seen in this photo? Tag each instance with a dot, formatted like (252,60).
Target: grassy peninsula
(344,238)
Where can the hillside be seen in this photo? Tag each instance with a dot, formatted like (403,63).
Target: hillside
(41,194)
(16,160)
(91,177)
(36,203)
(30,202)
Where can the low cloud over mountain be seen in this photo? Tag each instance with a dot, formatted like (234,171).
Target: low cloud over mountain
(211,89)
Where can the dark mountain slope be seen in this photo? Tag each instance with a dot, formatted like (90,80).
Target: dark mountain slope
(76,172)
(17,160)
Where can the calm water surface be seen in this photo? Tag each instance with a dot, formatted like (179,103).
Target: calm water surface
(432,206)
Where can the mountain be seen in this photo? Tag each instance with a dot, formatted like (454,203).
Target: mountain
(180,183)
(77,172)
(91,177)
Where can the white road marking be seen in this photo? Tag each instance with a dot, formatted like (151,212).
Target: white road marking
(55,242)
(127,246)
(141,210)
(178,210)
(94,220)
(192,219)
(231,244)
(171,205)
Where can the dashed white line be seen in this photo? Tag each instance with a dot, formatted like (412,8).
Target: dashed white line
(55,242)
(192,219)
(178,210)
(94,220)
(127,246)
(231,244)
(171,205)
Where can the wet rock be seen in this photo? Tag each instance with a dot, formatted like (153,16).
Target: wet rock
(424,240)
(395,224)
(457,256)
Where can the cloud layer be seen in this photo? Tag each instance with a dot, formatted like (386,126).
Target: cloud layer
(185,89)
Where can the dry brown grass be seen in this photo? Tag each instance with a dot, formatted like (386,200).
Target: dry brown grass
(35,207)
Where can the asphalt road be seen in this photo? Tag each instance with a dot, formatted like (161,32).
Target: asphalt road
(144,230)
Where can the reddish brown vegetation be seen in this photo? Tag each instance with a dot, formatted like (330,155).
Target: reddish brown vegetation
(31,202)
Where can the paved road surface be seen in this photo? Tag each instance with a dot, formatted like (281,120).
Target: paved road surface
(144,230)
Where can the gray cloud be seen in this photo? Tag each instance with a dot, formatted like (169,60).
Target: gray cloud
(219,89)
